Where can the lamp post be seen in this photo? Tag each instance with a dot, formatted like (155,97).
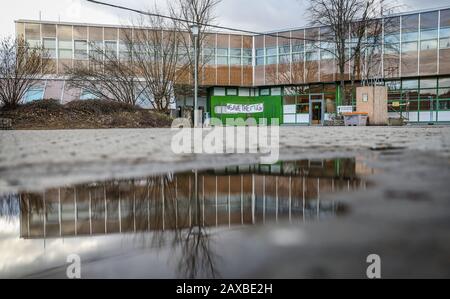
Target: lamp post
(195,32)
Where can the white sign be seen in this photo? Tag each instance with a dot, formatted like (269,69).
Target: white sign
(237,108)
(345,109)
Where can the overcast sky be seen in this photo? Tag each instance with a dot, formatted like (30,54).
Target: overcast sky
(257,15)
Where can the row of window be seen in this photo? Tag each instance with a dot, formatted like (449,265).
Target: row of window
(79,49)
(245,92)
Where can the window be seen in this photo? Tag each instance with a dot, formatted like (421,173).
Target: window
(124,51)
(271,56)
(285,59)
(264,92)
(444,82)
(271,60)
(219,91)
(428,83)
(50,47)
(285,49)
(96,50)
(232,92)
(409,47)
(244,92)
(445,38)
(111,49)
(298,48)
(271,51)
(236,57)
(222,56)
(298,58)
(65,49)
(276,91)
(311,56)
(209,56)
(260,61)
(247,57)
(81,49)
(428,45)
(222,60)
(34,93)
(410,84)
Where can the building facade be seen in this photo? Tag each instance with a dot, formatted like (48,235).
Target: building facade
(289,75)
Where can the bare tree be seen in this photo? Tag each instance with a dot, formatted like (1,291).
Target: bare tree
(157,59)
(346,22)
(21,66)
(105,76)
(199,12)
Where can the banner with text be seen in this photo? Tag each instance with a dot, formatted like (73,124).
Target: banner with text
(238,108)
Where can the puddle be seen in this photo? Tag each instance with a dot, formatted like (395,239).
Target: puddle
(168,221)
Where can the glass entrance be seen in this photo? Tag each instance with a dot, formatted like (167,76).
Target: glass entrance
(316,109)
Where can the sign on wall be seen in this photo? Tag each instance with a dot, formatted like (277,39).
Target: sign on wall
(239,108)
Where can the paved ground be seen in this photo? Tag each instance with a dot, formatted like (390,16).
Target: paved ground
(40,159)
(404,218)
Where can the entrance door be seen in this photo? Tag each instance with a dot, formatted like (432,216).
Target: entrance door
(316,109)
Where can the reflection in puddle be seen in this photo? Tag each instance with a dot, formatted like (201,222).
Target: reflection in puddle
(187,207)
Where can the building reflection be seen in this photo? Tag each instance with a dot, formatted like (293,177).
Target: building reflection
(244,195)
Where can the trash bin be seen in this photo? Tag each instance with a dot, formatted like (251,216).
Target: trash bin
(356,119)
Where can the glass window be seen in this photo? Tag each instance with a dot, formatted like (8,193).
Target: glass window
(264,92)
(247,52)
(392,38)
(260,61)
(96,50)
(444,93)
(235,52)
(232,92)
(428,83)
(81,49)
(34,93)
(247,61)
(444,82)
(312,56)
(445,32)
(297,48)
(410,84)
(445,43)
(276,91)
(409,47)
(235,60)
(428,45)
(410,36)
(393,85)
(124,51)
(222,52)
(50,47)
(325,55)
(285,49)
(111,49)
(297,57)
(271,60)
(222,60)
(289,100)
(259,52)
(65,49)
(429,34)
(285,59)
(271,51)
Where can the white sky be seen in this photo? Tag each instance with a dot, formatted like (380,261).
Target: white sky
(257,15)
